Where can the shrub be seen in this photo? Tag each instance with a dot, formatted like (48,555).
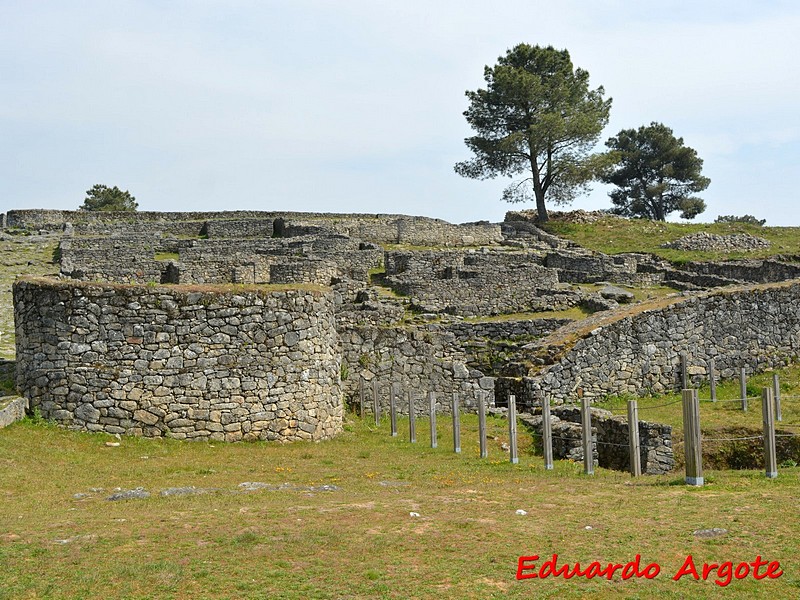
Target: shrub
(747,219)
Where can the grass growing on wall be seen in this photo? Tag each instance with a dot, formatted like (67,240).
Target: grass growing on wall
(575,312)
(164,256)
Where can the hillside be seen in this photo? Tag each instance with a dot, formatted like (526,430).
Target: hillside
(615,235)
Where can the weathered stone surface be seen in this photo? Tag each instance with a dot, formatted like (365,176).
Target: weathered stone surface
(134,494)
(185,491)
(144,383)
(418,359)
(612,292)
(753,328)
(12,409)
(718,243)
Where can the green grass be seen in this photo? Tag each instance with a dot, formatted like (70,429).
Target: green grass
(576,313)
(166,256)
(19,256)
(726,412)
(360,541)
(615,236)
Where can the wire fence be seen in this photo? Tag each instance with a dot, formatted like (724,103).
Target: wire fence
(584,437)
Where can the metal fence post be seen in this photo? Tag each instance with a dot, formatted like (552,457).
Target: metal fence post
(691,438)
(512,429)
(770,458)
(588,449)
(432,411)
(547,435)
(633,438)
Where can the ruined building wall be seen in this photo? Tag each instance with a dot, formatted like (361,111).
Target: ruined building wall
(377,228)
(419,359)
(172,361)
(753,328)
(129,259)
(137,258)
(757,271)
(475,283)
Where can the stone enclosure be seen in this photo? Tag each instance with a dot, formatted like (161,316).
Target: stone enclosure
(250,364)
(261,325)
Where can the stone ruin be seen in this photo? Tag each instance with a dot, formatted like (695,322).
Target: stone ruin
(260,325)
(710,242)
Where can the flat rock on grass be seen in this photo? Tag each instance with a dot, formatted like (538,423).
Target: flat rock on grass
(251,486)
(612,292)
(186,491)
(710,533)
(134,494)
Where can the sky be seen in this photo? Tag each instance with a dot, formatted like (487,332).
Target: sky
(356,105)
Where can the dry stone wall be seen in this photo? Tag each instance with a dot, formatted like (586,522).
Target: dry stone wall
(754,328)
(119,259)
(710,242)
(475,283)
(756,271)
(378,228)
(504,330)
(610,439)
(137,258)
(177,362)
(418,359)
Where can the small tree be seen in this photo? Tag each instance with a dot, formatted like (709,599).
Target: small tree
(537,117)
(655,173)
(102,197)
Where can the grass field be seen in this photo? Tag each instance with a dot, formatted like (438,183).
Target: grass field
(20,256)
(61,538)
(333,520)
(616,235)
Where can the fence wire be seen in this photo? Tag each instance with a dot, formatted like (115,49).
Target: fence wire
(737,400)
(733,439)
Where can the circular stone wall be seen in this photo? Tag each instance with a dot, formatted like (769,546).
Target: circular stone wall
(181,362)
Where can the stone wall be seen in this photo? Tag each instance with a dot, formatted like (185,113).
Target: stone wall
(132,258)
(581,266)
(379,228)
(124,259)
(238,228)
(754,328)
(610,439)
(711,242)
(475,283)
(181,362)
(419,359)
(504,330)
(126,226)
(755,271)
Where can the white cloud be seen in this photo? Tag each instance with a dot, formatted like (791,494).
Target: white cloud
(357,105)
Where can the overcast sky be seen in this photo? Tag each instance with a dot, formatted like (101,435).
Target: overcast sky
(356,106)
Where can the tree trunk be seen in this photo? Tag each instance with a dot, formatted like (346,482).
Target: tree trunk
(538,189)
(541,209)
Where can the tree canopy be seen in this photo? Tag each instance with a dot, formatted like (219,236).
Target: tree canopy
(102,197)
(655,174)
(536,118)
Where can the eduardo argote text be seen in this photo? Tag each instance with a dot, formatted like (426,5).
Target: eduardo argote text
(722,573)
